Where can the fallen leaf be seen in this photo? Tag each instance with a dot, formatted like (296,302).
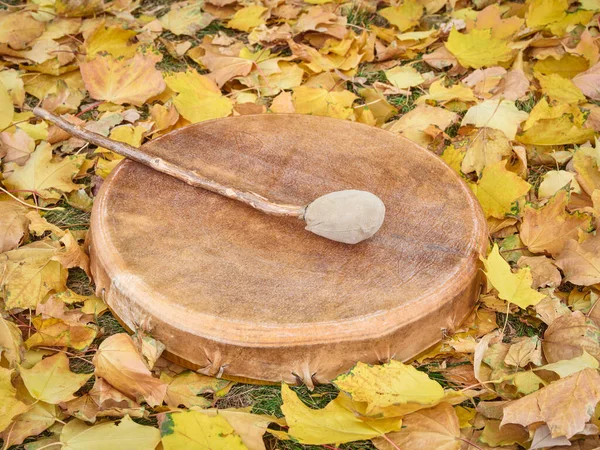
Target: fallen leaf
(413,124)
(117,80)
(437,427)
(486,147)
(404,77)
(187,389)
(569,336)
(199,97)
(589,82)
(19,29)
(495,434)
(405,16)
(566,367)
(334,424)
(32,422)
(560,89)
(51,380)
(76,435)
(188,19)
(502,115)
(7,109)
(555,180)
(498,190)
(116,41)
(13,224)
(581,262)
(321,102)
(389,384)
(478,48)
(542,438)
(547,229)
(55,332)
(543,271)
(42,175)
(118,362)
(248,18)
(512,287)
(194,430)
(565,405)
(9,405)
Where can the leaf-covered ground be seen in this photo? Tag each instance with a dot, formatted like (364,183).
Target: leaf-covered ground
(506,93)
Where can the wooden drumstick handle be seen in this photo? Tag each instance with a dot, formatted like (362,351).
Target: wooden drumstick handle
(188,176)
(348,216)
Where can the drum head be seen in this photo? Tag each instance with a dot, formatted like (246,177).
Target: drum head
(233,292)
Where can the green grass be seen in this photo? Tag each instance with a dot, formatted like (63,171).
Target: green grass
(405,103)
(68,217)
(527,104)
(517,327)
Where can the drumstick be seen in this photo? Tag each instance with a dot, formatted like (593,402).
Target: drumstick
(348,216)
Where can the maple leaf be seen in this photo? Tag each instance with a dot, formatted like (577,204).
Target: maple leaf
(13,224)
(502,115)
(544,12)
(77,435)
(19,29)
(486,147)
(404,77)
(51,380)
(565,405)
(187,19)
(569,336)
(29,274)
(555,180)
(589,82)
(187,389)
(199,97)
(113,40)
(405,16)
(437,427)
(32,422)
(55,332)
(118,362)
(118,80)
(389,384)
(9,405)
(478,48)
(498,189)
(581,262)
(566,367)
(413,124)
(42,175)
(7,109)
(560,89)
(334,424)
(512,287)
(547,229)
(321,102)
(543,271)
(195,431)
(248,18)
(10,344)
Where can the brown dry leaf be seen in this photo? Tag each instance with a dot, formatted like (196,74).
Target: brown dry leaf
(547,229)
(17,146)
(565,405)
(118,80)
(187,389)
(119,363)
(72,255)
(581,262)
(431,428)
(569,335)
(55,332)
(13,224)
(589,82)
(543,270)
(19,29)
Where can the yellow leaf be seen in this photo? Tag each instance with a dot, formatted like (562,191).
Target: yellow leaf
(29,274)
(389,384)
(199,97)
(512,287)
(377,104)
(51,380)
(193,430)
(439,93)
(13,224)
(569,21)
(247,18)
(19,29)
(498,189)
(545,230)
(434,428)
(577,394)
(555,180)
(502,115)
(555,125)
(9,405)
(7,109)
(42,175)
(77,435)
(322,102)
(32,422)
(486,147)
(405,16)
(187,389)
(478,48)
(413,124)
(53,332)
(114,40)
(120,364)
(560,89)
(495,434)
(453,157)
(186,20)
(11,341)
(567,367)
(404,77)
(588,172)
(334,424)
(567,66)
(544,12)
(120,80)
